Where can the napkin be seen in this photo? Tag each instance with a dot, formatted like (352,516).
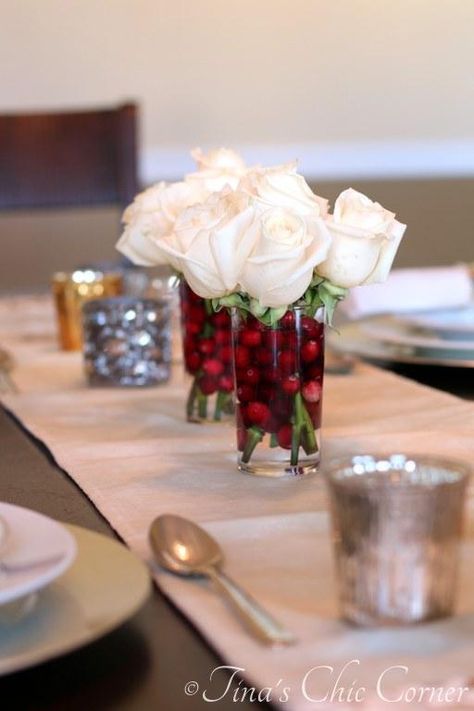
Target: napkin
(412,290)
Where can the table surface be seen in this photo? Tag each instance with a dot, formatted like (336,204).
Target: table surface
(144,664)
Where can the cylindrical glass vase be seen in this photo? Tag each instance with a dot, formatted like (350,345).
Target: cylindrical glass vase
(279,384)
(207,352)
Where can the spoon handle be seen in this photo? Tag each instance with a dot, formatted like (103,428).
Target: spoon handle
(252,615)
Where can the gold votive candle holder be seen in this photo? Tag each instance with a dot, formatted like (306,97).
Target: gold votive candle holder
(71,290)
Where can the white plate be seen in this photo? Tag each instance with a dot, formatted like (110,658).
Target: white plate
(388,329)
(28,538)
(447,323)
(104,587)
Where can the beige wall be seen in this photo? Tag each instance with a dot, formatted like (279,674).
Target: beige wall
(249,71)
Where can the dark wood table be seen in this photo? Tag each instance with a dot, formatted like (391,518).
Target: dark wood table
(146,663)
(143,665)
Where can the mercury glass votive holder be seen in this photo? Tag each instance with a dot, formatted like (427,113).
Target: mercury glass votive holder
(71,290)
(127,341)
(397,523)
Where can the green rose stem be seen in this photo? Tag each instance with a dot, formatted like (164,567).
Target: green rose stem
(202,403)
(303,431)
(190,402)
(254,436)
(222,403)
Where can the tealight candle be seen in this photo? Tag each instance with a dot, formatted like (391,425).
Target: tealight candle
(71,290)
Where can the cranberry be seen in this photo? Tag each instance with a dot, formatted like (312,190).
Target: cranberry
(222,337)
(213,367)
(192,328)
(220,319)
(207,384)
(284,436)
(197,315)
(245,393)
(226,383)
(310,351)
(225,354)
(287,361)
(264,356)
(273,339)
(313,372)
(266,392)
(193,361)
(206,346)
(251,338)
(311,329)
(251,376)
(242,357)
(290,339)
(272,424)
(241,438)
(312,391)
(291,385)
(257,413)
(272,374)
(287,320)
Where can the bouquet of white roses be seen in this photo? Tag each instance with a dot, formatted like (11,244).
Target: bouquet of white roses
(258,240)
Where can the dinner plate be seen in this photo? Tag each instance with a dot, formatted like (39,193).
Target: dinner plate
(452,324)
(353,338)
(34,551)
(104,586)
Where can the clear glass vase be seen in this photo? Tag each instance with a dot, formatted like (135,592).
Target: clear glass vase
(207,352)
(279,386)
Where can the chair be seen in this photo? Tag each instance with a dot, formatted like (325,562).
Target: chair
(68,159)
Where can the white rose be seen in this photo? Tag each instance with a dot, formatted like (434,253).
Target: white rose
(288,248)
(365,239)
(282,186)
(217,169)
(211,242)
(150,217)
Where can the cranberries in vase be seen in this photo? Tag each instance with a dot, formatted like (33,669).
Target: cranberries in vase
(279,380)
(207,353)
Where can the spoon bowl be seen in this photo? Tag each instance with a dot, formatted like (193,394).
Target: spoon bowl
(182,546)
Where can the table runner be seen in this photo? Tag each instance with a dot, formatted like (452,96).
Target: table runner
(134,456)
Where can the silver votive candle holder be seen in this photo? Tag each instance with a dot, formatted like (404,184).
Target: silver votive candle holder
(397,523)
(127,341)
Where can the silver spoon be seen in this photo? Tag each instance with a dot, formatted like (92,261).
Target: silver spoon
(183,547)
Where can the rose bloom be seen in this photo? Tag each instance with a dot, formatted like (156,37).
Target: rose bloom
(220,168)
(282,186)
(150,217)
(211,242)
(153,213)
(365,240)
(287,249)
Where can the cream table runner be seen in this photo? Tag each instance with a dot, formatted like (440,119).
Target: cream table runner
(134,456)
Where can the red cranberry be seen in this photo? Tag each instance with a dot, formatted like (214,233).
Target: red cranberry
(287,361)
(311,329)
(226,383)
(206,346)
(225,354)
(213,367)
(264,356)
(284,436)
(251,376)
(266,392)
(310,351)
(290,339)
(220,319)
(245,393)
(192,328)
(257,413)
(314,409)
(197,315)
(251,338)
(222,337)
(242,357)
(291,385)
(273,339)
(313,372)
(312,391)
(287,320)
(207,384)
(193,361)
(271,374)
